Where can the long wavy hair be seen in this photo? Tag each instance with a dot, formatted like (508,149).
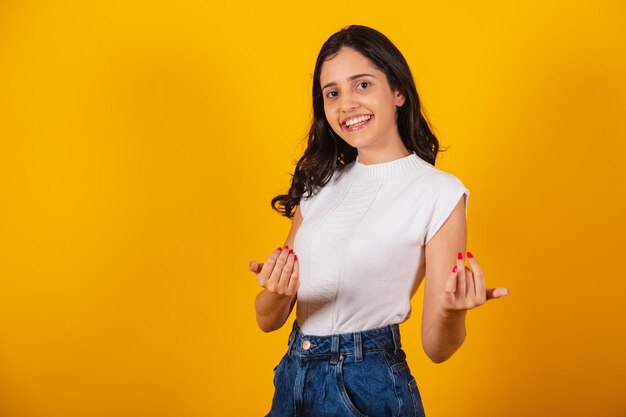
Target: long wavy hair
(326,152)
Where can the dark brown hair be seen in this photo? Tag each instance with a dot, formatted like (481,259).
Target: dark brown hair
(326,152)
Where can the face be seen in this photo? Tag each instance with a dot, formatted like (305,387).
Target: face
(359,104)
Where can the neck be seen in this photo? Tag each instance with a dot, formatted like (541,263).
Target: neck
(371,156)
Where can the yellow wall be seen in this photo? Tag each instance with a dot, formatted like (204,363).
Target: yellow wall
(141,143)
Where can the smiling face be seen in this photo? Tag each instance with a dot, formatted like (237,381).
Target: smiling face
(360,106)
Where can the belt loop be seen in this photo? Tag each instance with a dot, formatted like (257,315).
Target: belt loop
(292,336)
(358,348)
(334,349)
(395,330)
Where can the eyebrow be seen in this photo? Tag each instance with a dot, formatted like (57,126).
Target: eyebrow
(350,78)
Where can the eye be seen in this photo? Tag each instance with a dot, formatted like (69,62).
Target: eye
(331,94)
(364,83)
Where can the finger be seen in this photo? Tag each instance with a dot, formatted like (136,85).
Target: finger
(479,277)
(281,260)
(449,297)
(294,281)
(451,283)
(493,293)
(255,267)
(268,266)
(471,286)
(461,281)
(283,282)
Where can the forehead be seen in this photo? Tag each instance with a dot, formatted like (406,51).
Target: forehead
(345,63)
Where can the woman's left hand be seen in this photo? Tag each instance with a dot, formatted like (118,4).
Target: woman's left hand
(465,288)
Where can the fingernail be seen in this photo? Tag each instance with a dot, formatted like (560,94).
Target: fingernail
(469,254)
(290,250)
(286,246)
(295,257)
(280,248)
(459,255)
(454,269)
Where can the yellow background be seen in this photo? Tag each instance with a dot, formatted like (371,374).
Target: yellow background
(141,143)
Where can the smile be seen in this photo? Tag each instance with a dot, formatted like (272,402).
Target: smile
(358,122)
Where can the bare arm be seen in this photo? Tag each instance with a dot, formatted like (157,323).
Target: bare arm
(449,292)
(279,277)
(443,332)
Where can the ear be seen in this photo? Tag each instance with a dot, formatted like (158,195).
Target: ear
(399,99)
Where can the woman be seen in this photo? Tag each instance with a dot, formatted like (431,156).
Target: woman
(371,217)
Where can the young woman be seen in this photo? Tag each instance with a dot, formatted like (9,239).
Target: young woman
(371,218)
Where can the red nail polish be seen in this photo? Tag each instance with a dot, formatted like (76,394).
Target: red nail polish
(286,246)
(469,254)
(459,255)
(295,257)
(454,269)
(290,250)
(280,248)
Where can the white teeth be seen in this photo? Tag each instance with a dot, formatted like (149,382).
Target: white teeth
(351,122)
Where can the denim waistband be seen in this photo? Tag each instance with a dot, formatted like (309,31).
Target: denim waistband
(352,343)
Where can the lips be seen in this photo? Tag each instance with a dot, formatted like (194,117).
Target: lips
(362,121)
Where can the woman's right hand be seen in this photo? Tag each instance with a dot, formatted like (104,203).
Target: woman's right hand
(279,274)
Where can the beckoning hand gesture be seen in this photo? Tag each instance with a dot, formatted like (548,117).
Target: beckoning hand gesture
(465,288)
(279,274)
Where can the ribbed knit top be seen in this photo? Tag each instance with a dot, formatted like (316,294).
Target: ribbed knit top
(387,170)
(361,243)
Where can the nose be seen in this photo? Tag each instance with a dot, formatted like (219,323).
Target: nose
(348,102)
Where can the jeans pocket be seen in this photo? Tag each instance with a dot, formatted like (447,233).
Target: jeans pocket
(278,367)
(367,388)
(348,394)
(405,384)
(418,407)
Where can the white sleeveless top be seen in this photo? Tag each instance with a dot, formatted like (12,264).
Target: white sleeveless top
(361,243)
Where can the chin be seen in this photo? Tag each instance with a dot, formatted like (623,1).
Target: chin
(357,142)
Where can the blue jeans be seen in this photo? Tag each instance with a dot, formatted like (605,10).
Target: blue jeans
(348,374)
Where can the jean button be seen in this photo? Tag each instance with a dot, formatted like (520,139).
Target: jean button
(306,345)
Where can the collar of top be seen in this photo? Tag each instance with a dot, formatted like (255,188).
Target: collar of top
(397,168)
